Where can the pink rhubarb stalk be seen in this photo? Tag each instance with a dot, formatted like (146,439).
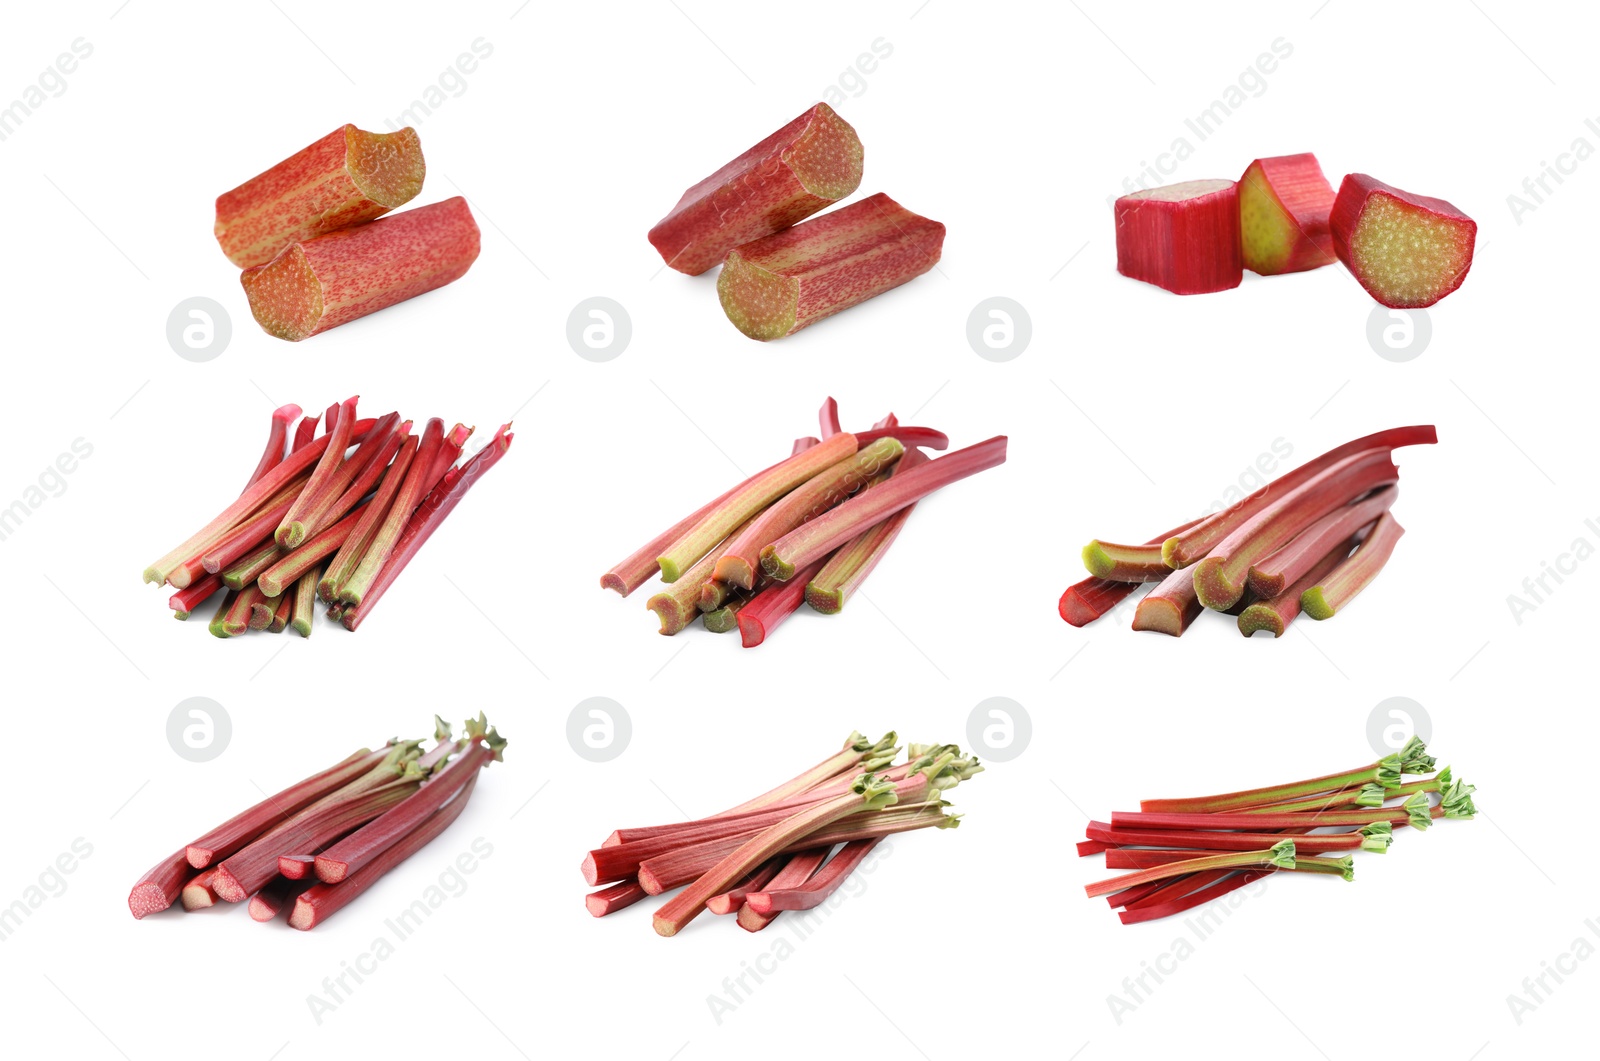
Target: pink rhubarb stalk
(319,284)
(1131,563)
(315,498)
(1171,606)
(412,492)
(815,891)
(285,572)
(797,869)
(276,437)
(847,569)
(767,610)
(1182,237)
(776,286)
(1354,574)
(1276,613)
(1407,250)
(812,162)
(733,900)
(360,536)
(1271,576)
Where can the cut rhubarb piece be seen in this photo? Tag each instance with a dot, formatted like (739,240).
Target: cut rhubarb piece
(812,162)
(1189,546)
(1171,606)
(767,610)
(322,283)
(439,503)
(775,286)
(1284,204)
(847,569)
(1183,237)
(1407,250)
(347,177)
(198,894)
(749,499)
(188,599)
(276,437)
(265,904)
(1131,563)
(741,558)
(815,891)
(1270,577)
(813,541)
(1334,592)
(160,887)
(610,900)
(1221,578)
(1276,613)
(726,618)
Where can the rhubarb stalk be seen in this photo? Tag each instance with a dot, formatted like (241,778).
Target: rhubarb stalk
(1353,575)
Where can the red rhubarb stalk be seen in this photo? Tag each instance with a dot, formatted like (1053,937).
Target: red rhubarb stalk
(304,431)
(828,418)
(1183,237)
(237,621)
(345,178)
(1280,855)
(775,286)
(440,502)
(356,541)
(1131,563)
(767,610)
(192,596)
(909,435)
(318,284)
(1171,606)
(1260,820)
(265,904)
(749,499)
(1276,613)
(1272,575)
(160,886)
(838,579)
(803,444)
(797,869)
(815,891)
(1284,204)
(1407,250)
(248,537)
(281,614)
(733,900)
(285,572)
(1168,908)
(279,431)
(216,627)
(609,900)
(198,894)
(326,483)
(812,162)
(813,541)
(1353,575)
(1222,577)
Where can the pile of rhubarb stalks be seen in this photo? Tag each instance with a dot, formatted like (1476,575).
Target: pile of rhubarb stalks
(322,842)
(327,520)
(1310,541)
(771,853)
(1186,852)
(809,529)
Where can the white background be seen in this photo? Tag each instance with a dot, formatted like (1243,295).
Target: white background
(1130,410)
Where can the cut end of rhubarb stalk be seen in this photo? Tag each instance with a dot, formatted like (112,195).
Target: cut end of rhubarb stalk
(774,565)
(827,600)
(1315,604)
(1284,204)
(147,899)
(1260,617)
(1213,587)
(388,168)
(674,617)
(330,871)
(735,570)
(1407,250)
(1183,237)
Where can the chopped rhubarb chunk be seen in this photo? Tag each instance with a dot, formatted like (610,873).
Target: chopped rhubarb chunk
(1283,215)
(1407,250)
(812,162)
(334,279)
(347,177)
(1183,237)
(775,286)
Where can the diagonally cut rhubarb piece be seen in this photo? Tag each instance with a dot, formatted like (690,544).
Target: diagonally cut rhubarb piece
(1271,576)
(1276,613)
(1171,606)
(838,579)
(812,542)
(1189,546)
(1221,578)
(276,437)
(812,162)
(1131,563)
(322,283)
(775,286)
(1407,250)
(1182,237)
(1284,204)
(752,496)
(1328,597)
(741,559)
(347,177)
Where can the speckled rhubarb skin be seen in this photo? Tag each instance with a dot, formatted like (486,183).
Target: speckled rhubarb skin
(347,177)
(1182,237)
(334,279)
(775,286)
(812,162)
(1408,251)
(1284,203)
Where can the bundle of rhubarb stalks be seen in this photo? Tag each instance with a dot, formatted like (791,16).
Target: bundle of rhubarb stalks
(809,529)
(322,842)
(1310,541)
(332,519)
(1186,852)
(771,853)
